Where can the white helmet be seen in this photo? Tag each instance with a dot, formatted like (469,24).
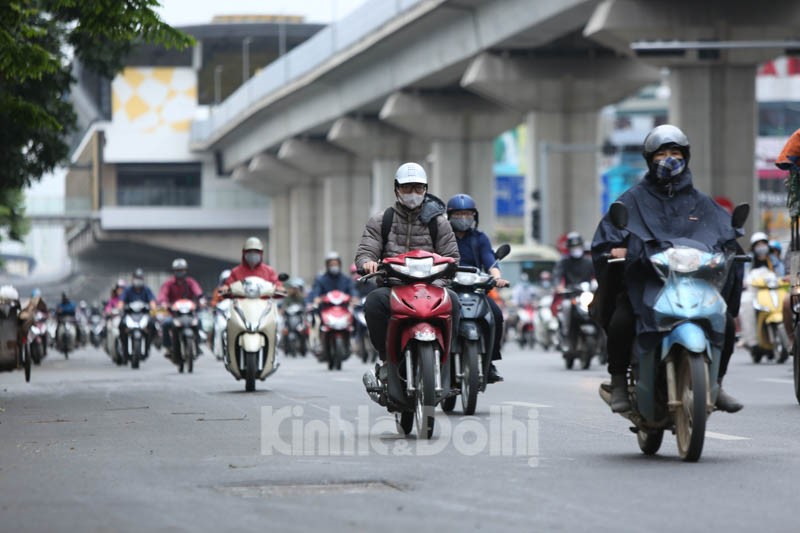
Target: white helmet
(180,264)
(253,243)
(758,236)
(7,292)
(410,173)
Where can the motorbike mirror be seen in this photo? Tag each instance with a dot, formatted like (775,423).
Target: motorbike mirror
(502,251)
(740,214)
(283,276)
(619,215)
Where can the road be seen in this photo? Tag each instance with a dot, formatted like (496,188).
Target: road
(87,446)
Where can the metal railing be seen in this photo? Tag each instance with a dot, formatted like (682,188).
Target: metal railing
(301,60)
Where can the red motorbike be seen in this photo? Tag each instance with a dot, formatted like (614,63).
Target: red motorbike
(417,341)
(336,326)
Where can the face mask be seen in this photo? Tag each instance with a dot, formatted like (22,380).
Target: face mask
(668,168)
(411,200)
(180,274)
(462,223)
(576,253)
(252,259)
(138,283)
(334,270)
(761,250)
(546,284)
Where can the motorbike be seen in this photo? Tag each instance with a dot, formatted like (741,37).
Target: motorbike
(112,343)
(66,335)
(185,334)
(295,330)
(96,329)
(221,316)
(37,338)
(471,353)
(336,326)
(526,317)
(674,385)
(13,355)
(413,382)
(252,329)
(545,323)
(364,347)
(583,340)
(136,320)
(771,337)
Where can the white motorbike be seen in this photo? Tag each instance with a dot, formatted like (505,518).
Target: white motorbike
(252,331)
(545,323)
(111,342)
(222,312)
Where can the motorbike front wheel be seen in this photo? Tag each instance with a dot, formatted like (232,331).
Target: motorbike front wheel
(250,369)
(136,346)
(189,354)
(470,384)
(26,361)
(425,383)
(690,418)
(782,343)
(36,353)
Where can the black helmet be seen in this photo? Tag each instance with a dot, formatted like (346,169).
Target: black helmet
(574,239)
(665,135)
(138,273)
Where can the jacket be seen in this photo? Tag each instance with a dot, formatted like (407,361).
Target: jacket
(175,289)
(409,231)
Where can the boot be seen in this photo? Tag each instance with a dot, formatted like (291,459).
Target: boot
(619,394)
(494,376)
(726,402)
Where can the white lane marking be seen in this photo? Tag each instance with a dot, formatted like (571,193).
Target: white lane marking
(345,380)
(778,380)
(723,436)
(527,404)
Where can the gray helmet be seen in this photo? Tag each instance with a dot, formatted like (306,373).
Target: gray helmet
(224,275)
(180,264)
(664,135)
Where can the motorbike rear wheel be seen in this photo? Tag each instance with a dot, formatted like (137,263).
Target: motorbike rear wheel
(569,361)
(650,441)
(782,343)
(404,422)
(36,353)
(690,418)
(470,384)
(251,366)
(425,383)
(189,355)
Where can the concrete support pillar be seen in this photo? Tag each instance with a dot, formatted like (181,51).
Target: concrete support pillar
(345,210)
(280,237)
(715,107)
(304,229)
(382,184)
(465,166)
(564,168)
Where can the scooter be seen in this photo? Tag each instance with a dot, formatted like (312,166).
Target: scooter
(295,330)
(112,343)
(96,329)
(252,330)
(222,312)
(185,334)
(471,354)
(66,335)
(674,386)
(136,319)
(772,339)
(413,382)
(336,326)
(364,345)
(13,355)
(526,318)
(37,338)
(583,338)
(545,326)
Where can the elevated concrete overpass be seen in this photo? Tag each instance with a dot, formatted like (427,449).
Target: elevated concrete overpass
(323,128)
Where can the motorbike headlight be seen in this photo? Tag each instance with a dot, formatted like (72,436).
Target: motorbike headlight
(467,278)
(585,299)
(420,268)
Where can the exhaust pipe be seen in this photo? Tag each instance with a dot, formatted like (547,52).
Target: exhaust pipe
(373,386)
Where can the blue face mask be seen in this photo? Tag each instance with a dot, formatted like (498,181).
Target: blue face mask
(668,168)
(462,223)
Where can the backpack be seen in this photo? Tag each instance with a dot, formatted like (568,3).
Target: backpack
(386,227)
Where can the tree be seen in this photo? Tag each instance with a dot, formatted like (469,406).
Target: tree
(39,41)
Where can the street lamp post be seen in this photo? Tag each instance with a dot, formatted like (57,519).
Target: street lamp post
(217,84)
(246,59)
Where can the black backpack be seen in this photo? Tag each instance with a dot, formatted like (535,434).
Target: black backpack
(386,227)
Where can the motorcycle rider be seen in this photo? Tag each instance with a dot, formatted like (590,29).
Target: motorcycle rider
(664,205)
(116,293)
(331,280)
(179,286)
(138,291)
(569,273)
(415,222)
(476,250)
(216,296)
(252,264)
(764,255)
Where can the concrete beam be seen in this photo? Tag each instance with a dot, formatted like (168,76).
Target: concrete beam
(448,116)
(369,138)
(319,158)
(559,84)
(618,23)
(267,175)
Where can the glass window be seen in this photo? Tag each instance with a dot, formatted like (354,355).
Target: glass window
(158,185)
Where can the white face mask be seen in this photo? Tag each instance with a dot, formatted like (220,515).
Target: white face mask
(576,252)
(411,200)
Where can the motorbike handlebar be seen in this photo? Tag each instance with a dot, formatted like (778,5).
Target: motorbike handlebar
(742,258)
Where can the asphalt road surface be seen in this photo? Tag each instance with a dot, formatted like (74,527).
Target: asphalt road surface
(88,446)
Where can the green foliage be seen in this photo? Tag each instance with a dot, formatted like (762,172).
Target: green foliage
(39,40)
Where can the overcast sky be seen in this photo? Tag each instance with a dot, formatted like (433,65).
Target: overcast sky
(189,12)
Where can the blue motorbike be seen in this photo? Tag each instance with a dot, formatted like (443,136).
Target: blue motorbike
(674,386)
